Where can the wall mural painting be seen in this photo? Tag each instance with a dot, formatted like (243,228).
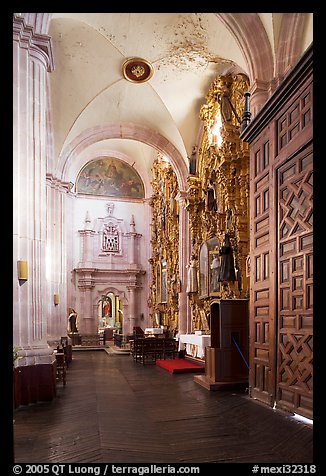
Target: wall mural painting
(111,177)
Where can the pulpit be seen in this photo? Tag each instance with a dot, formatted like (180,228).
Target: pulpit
(226,359)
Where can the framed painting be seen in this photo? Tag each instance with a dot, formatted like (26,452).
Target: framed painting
(203,271)
(107,307)
(214,270)
(110,177)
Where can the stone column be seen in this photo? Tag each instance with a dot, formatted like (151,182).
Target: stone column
(32,60)
(87,319)
(132,309)
(132,241)
(87,244)
(259,93)
(56,254)
(88,322)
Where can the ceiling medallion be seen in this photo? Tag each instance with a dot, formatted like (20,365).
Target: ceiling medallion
(137,70)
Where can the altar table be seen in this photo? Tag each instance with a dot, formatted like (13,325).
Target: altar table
(194,344)
(153,330)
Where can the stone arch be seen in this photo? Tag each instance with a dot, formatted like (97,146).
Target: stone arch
(247,29)
(123,131)
(250,34)
(289,46)
(105,291)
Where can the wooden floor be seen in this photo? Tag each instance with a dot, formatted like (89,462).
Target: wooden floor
(114,410)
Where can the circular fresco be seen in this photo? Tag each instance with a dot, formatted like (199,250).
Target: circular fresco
(137,70)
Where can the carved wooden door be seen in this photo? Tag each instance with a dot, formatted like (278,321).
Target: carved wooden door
(294,388)
(281,244)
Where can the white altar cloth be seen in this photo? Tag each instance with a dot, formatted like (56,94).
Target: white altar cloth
(194,344)
(153,330)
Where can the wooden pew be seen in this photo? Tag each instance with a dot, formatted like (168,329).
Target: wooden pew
(149,349)
(170,348)
(61,367)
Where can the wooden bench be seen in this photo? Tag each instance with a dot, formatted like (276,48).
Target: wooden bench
(61,367)
(170,348)
(149,349)
(122,340)
(67,350)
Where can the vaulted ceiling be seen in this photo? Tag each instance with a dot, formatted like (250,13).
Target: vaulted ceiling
(93,104)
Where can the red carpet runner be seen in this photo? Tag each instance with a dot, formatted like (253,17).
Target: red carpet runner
(179,366)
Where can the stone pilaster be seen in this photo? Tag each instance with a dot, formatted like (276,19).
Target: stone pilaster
(32,59)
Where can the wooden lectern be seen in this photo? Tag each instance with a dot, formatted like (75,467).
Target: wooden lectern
(226,360)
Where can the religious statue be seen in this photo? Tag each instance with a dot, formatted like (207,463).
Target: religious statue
(239,279)
(192,284)
(193,161)
(225,107)
(211,197)
(215,272)
(157,318)
(227,270)
(72,319)
(229,218)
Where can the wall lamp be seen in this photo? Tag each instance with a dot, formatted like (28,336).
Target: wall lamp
(22,270)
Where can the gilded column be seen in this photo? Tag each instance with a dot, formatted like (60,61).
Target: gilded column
(184,309)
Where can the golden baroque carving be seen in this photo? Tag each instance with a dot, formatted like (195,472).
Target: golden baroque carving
(217,198)
(164,261)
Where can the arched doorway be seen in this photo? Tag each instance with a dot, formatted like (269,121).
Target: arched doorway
(109,313)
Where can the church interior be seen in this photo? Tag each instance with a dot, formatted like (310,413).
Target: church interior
(163,196)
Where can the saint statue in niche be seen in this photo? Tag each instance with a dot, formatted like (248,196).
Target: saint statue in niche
(227,270)
(192,284)
(215,273)
(193,161)
(225,106)
(157,318)
(211,197)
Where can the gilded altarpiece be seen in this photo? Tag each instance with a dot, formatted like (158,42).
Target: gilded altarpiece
(218,195)
(165,282)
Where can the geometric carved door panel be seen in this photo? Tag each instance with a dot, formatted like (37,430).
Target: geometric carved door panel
(294,376)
